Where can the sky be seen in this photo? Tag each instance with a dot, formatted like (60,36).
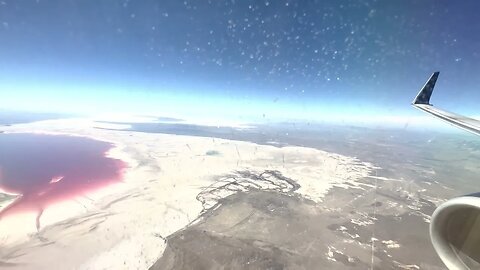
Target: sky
(311,60)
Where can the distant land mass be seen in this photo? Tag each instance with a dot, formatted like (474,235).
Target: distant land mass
(8,117)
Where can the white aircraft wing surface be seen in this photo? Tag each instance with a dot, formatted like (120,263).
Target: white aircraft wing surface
(422,102)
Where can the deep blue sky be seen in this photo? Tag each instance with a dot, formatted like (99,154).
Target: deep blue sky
(281,59)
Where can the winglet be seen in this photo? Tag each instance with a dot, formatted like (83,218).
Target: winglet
(423,97)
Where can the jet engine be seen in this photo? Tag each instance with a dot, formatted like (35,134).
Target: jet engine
(455,232)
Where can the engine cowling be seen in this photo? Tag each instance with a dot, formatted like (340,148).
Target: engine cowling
(455,232)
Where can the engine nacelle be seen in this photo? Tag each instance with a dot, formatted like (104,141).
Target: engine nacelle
(455,232)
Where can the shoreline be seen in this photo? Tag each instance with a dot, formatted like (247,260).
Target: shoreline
(165,176)
(60,201)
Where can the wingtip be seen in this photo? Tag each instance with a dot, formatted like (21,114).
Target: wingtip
(423,97)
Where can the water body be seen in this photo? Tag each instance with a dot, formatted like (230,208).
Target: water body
(46,169)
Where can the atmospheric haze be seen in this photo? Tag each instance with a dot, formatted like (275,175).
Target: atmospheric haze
(231,134)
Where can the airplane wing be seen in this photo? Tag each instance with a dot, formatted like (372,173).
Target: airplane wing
(422,102)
